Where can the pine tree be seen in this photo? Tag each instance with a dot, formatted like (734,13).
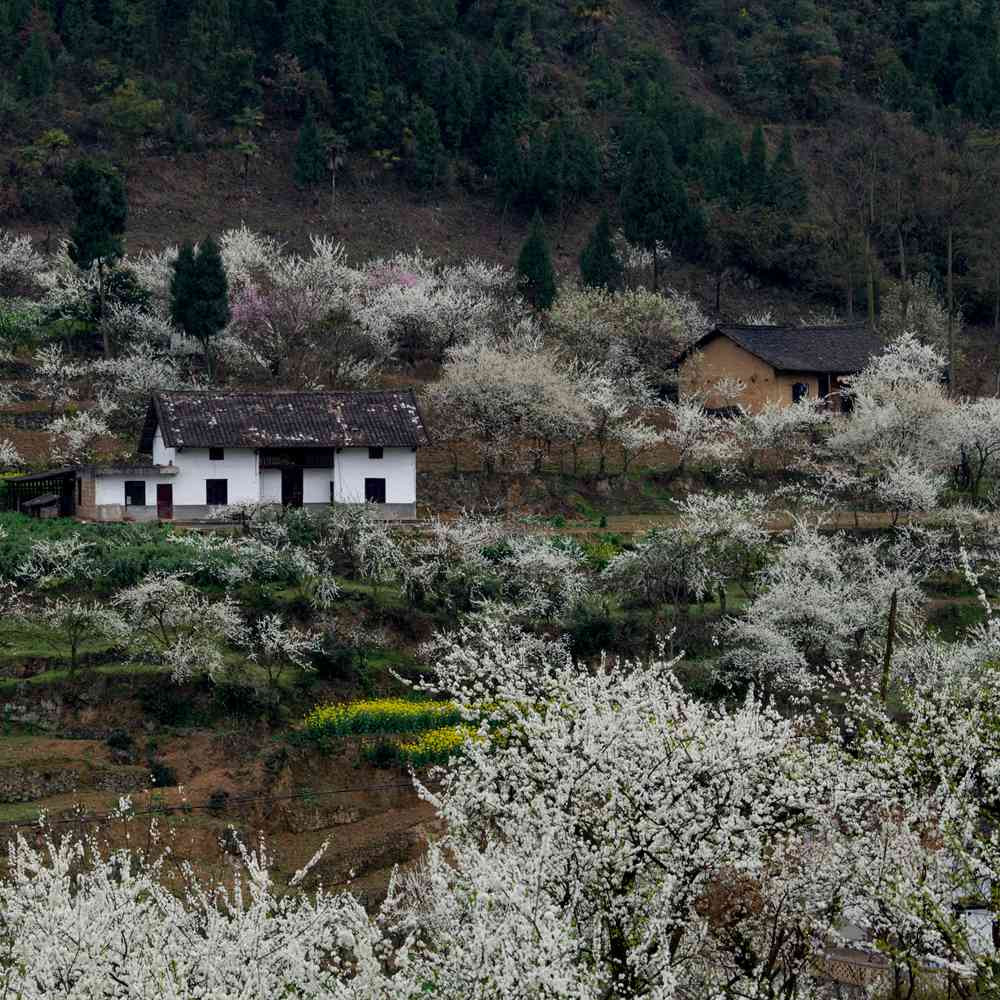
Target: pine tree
(503,151)
(101,214)
(654,204)
(78,30)
(788,188)
(599,264)
(730,171)
(427,156)
(756,185)
(310,156)
(304,32)
(536,277)
(34,72)
(199,295)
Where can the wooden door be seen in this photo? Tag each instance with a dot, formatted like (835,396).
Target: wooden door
(165,501)
(291,487)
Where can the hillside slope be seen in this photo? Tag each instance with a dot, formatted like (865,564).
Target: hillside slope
(822,151)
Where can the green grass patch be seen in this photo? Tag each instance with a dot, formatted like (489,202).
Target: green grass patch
(60,676)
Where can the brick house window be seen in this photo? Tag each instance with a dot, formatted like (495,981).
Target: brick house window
(216,454)
(375,453)
(216,492)
(135,493)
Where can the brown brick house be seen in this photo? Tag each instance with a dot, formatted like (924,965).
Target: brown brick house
(776,363)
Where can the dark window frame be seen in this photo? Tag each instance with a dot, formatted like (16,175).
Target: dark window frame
(213,489)
(131,493)
(216,454)
(800,390)
(376,452)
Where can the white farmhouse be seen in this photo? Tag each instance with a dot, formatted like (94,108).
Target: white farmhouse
(210,449)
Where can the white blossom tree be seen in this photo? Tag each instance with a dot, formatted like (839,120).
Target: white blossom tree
(74,438)
(167,618)
(53,563)
(66,624)
(274,646)
(82,920)
(509,400)
(55,377)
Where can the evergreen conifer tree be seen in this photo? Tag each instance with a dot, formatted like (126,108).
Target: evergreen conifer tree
(503,151)
(78,29)
(536,277)
(427,157)
(654,203)
(756,180)
(34,72)
(787,184)
(199,295)
(101,214)
(310,156)
(730,170)
(599,265)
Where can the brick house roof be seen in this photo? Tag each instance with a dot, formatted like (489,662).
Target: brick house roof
(213,419)
(837,350)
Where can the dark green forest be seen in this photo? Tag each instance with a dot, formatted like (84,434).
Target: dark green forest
(827,147)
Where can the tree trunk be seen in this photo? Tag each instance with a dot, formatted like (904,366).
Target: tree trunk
(996,299)
(904,286)
(951,311)
(889,640)
(870,279)
(100,299)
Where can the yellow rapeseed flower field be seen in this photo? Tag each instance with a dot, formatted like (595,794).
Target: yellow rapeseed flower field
(381,715)
(436,746)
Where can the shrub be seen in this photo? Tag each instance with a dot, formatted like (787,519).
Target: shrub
(383,715)
(120,739)
(218,801)
(166,703)
(163,775)
(382,754)
(334,660)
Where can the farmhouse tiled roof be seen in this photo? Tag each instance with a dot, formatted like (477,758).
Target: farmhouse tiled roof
(212,419)
(838,350)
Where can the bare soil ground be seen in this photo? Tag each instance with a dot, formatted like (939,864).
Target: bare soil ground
(243,780)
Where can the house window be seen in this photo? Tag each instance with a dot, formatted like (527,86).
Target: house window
(216,454)
(799,391)
(135,493)
(79,492)
(375,453)
(216,492)
(333,492)
(374,491)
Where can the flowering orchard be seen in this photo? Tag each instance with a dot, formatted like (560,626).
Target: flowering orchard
(692,763)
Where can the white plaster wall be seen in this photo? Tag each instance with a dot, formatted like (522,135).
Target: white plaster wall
(111,489)
(398,468)
(194,467)
(161,454)
(315,485)
(240,467)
